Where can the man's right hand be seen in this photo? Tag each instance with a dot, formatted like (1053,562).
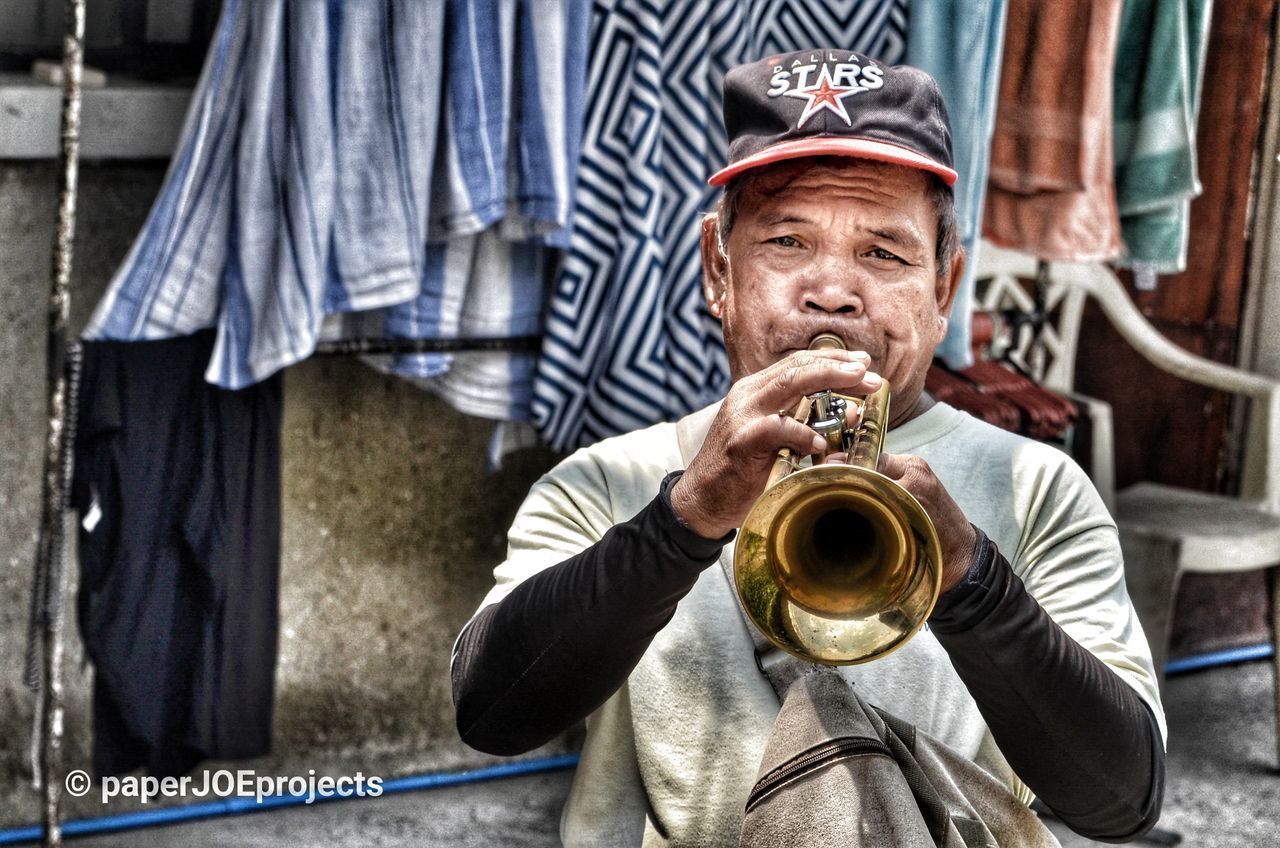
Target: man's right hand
(755,421)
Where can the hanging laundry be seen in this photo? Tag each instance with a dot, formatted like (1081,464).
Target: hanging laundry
(299,184)
(333,153)
(334,156)
(628,339)
(510,118)
(177,483)
(385,69)
(499,204)
(960,42)
(481,286)
(1159,71)
(1050,191)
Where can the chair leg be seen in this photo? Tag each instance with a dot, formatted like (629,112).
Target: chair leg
(1152,574)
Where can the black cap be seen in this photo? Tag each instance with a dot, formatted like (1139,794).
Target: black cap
(834,103)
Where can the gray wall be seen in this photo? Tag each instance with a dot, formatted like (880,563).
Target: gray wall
(391,524)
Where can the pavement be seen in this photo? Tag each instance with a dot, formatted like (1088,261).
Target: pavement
(1223,791)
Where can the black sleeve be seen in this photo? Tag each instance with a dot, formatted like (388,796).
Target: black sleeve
(564,640)
(1084,742)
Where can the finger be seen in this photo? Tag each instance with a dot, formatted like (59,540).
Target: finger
(913,474)
(809,357)
(782,385)
(871,381)
(768,434)
(892,465)
(854,413)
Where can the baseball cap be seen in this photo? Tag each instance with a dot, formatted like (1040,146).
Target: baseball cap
(826,102)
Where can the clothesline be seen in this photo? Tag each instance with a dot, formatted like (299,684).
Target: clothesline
(400,346)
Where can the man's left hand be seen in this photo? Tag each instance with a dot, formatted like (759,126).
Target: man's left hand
(954,530)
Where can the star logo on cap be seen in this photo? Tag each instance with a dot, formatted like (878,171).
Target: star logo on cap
(824,94)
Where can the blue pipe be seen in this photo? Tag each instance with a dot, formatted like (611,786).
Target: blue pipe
(1216,658)
(240,806)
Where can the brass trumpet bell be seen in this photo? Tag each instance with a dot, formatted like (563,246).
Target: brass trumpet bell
(836,563)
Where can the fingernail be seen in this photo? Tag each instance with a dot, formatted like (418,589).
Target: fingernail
(872,379)
(819,444)
(853,367)
(863,355)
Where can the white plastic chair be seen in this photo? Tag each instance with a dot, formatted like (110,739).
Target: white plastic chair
(1164,530)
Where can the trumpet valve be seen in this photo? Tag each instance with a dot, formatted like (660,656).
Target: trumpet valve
(829,419)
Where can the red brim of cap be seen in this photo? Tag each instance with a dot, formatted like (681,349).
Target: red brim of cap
(862,148)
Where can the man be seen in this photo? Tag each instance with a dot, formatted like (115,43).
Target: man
(837,218)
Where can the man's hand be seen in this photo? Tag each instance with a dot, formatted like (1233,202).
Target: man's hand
(954,530)
(754,422)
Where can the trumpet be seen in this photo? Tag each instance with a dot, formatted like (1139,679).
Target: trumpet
(836,563)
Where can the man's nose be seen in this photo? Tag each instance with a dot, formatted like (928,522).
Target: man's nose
(834,297)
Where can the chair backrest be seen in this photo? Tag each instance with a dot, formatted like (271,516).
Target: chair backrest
(1066,288)
(1049,358)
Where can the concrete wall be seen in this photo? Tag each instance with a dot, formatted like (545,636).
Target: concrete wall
(391,525)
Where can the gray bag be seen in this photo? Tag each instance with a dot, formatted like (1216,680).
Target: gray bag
(838,772)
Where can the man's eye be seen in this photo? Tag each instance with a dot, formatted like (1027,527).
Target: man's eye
(785,241)
(881,253)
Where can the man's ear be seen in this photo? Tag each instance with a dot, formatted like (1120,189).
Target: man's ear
(715,266)
(949,283)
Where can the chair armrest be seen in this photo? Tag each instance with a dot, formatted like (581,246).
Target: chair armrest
(1261,478)
(1102,284)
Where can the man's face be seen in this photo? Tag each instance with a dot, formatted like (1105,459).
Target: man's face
(847,248)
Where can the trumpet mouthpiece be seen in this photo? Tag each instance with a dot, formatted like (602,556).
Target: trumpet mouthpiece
(827,341)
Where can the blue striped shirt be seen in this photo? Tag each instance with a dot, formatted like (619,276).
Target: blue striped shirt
(351,157)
